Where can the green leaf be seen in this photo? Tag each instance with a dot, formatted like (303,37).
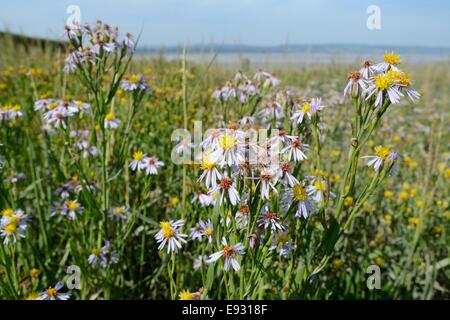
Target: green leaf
(210,276)
(330,237)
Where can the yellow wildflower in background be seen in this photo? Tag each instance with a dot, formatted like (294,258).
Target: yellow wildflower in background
(337,263)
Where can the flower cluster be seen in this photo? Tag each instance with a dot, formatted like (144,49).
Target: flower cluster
(242,88)
(148,164)
(83,143)
(11,112)
(93,43)
(233,160)
(103,256)
(13,224)
(383,80)
(56,112)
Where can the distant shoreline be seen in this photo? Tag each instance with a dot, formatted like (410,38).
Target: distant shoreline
(263,55)
(233,58)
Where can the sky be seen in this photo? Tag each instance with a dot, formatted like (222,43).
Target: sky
(250,22)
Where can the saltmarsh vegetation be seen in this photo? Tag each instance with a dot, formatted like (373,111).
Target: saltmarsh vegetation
(304,180)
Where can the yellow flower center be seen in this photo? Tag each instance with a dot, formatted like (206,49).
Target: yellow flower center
(174,201)
(227,142)
(383,81)
(299,192)
(14,219)
(11,228)
(337,263)
(382,152)
(72,205)
(186,295)
(168,232)
(34,273)
(52,105)
(134,79)
(207,163)
(165,224)
(96,251)
(228,250)
(208,230)
(7,212)
(320,185)
(400,77)
(51,292)
(348,201)
(118,210)
(32,296)
(16,108)
(306,107)
(109,116)
(392,58)
(282,238)
(138,155)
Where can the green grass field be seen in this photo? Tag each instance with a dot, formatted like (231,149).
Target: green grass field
(72,176)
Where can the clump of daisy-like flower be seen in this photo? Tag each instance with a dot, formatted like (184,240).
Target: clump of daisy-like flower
(10,112)
(149,165)
(53,293)
(103,256)
(169,235)
(13,224)
(230,254)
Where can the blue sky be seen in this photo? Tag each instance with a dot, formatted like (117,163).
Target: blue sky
(253,22)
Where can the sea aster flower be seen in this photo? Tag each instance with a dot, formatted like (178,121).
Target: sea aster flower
(404,84)
(200,262)
(108,257)
(196,232)
(227,190)
(355,85)
(285,172)
(210,173)
(391,61)
(269,218)
(13,225)
(299,114)
(381,84)
(134,82)
(317,189)
(268,180)
(138,162)
(230,151)
(169,235)
(151,165)
(229,252)
(118,213)
(297,195)
(204,199)
(281,240)
(110,121)
(71,208)
(381,154)
(207,229)
(53,294)
(241,216)
(295,150)
(368,70)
